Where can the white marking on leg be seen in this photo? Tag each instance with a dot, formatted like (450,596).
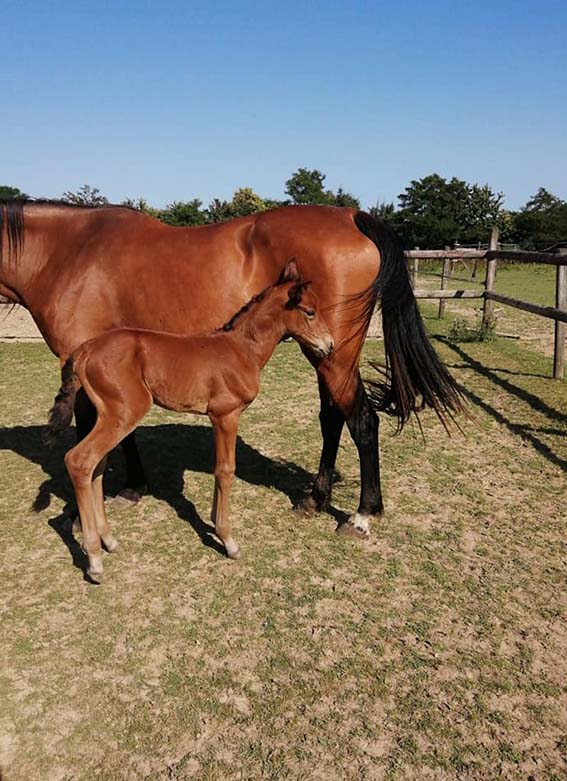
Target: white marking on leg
(232,549)
(360,522)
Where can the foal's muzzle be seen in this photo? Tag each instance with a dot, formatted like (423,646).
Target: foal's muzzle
(324,349)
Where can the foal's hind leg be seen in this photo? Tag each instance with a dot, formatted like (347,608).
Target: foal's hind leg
(136,482)
(108,539)
(86,460)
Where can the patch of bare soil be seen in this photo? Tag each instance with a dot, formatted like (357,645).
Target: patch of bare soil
(17,325)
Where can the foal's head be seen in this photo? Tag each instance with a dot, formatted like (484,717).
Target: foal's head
(302,318)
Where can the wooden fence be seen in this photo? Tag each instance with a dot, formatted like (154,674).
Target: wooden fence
(492,255)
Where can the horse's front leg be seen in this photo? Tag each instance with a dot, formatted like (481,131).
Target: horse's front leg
(136,480)
(225,430)
(332,421)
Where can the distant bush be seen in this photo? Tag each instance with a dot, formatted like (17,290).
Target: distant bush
(462,331)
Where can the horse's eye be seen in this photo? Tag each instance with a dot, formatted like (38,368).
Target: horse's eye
(310,313)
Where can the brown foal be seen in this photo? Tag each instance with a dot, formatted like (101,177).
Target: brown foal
(125,370)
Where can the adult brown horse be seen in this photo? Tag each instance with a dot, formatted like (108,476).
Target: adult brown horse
(83,271)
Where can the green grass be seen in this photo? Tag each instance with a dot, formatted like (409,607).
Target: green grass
(436,651)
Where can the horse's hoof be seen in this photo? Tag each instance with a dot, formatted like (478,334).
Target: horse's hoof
(111,544)
(357,526)
(309,506)
(126,498)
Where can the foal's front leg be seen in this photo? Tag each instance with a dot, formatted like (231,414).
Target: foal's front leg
(225,430)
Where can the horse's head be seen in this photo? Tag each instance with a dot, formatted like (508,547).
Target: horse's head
(302,318)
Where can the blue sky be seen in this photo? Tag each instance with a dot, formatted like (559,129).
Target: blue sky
(176,100)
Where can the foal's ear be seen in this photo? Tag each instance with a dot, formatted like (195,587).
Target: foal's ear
(290,272)
(295,293)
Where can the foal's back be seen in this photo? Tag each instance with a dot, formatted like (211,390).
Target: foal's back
(206,374)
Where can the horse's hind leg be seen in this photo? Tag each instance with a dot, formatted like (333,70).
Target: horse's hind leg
(347,394)
(332,421)
(363,424)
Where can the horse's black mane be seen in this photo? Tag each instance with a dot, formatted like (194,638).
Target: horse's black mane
(229,326)
(12,212)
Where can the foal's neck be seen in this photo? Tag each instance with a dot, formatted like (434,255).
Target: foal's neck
(260,329)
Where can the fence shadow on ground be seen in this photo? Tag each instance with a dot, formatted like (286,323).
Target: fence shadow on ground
(526,431)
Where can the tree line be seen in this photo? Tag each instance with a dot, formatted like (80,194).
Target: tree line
(431,213)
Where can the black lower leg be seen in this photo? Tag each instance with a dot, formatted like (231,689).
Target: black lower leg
(136,481)
(363,425)
(85,415)
(332,422)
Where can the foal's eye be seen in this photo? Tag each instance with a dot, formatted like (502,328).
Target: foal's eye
(310,314)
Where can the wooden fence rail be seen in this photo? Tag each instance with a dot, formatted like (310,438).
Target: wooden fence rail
(492,255)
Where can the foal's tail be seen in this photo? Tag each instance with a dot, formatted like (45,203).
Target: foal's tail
(414,376)
(61,414)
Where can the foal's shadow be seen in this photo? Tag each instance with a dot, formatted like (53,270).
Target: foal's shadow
(168,450)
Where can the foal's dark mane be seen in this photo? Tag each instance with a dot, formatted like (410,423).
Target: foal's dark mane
(12,212)
(229,325)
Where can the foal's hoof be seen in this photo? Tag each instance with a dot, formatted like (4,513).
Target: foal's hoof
(232,550)
(357,526)
(111,544)
(309,506)
(94,576)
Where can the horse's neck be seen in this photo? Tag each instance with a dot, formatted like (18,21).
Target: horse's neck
(24,258)
(260,331)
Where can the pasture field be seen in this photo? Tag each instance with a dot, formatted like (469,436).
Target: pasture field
(438,650)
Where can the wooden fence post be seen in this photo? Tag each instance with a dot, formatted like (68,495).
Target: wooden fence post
(414,270)
(445,274)
(488,305)
(561,304)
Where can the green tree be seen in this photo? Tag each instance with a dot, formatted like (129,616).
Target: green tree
(383,211)
(306,187)
(8,193)
(244,201)
(436,213)
(85,196)
(183,213)
(542,222)
(219,211)
(342,198)
(141,205)
(483,211)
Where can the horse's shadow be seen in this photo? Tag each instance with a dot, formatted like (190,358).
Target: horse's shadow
(168,450)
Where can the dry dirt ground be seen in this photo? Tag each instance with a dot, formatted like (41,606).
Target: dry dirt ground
(438,650)
(16,325)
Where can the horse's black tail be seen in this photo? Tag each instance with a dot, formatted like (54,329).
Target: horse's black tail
(414,376)
(61,414)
